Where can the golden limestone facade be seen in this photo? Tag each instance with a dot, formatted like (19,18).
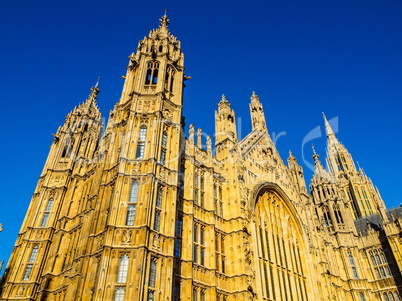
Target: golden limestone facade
(142,212)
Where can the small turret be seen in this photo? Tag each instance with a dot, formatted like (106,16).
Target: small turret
(257,114)
(297,173)
(225,128)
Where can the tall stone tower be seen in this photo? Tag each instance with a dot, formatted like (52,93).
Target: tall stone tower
(141,212)
(107,203)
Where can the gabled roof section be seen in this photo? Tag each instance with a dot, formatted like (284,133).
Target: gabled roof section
(252,139)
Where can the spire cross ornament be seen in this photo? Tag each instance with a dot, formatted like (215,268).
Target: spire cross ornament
(164,21)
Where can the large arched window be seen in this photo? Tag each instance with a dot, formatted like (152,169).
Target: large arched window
(280,248)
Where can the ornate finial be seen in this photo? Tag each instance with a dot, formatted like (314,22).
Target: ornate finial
(254,99)
(316,159)
(164,21)
(94,92)
(291,157)
(325,117)
(223,100)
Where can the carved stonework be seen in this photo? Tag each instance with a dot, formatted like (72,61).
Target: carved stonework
(126,240)
(20,290)
(156,243)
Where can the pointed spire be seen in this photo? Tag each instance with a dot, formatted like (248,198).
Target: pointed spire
(94,92)
(316,160)
(164,21)
(257,113)
(330,134)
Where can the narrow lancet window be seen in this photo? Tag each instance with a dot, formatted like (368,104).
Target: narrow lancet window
(141,143)
(132,204)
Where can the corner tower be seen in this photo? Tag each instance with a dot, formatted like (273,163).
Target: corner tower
(225,129)
(140,173)
(358,189)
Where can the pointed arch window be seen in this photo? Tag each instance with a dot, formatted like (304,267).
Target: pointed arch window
(169,77)
(327,217)
(47,212)
(152,73)
(119,293)
(281,255)
(68,146)
(352,264)
(196,188)
(132,204)
(158,208)
(338,214)
(33,254)
(220,201)
(380,264)
(368,205)
(152,272)
(179,233)
(30,263)
(121,278)
(151,279)
(123,269)
(141,142)
(163,148)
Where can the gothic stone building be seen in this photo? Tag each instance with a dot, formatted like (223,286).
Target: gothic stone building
(145,213)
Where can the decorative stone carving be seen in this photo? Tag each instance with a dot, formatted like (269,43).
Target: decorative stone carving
(156,242)
(126,240)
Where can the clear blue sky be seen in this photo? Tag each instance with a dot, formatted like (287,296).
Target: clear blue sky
(340,57)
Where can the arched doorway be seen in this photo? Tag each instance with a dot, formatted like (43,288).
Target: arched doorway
(281,249)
